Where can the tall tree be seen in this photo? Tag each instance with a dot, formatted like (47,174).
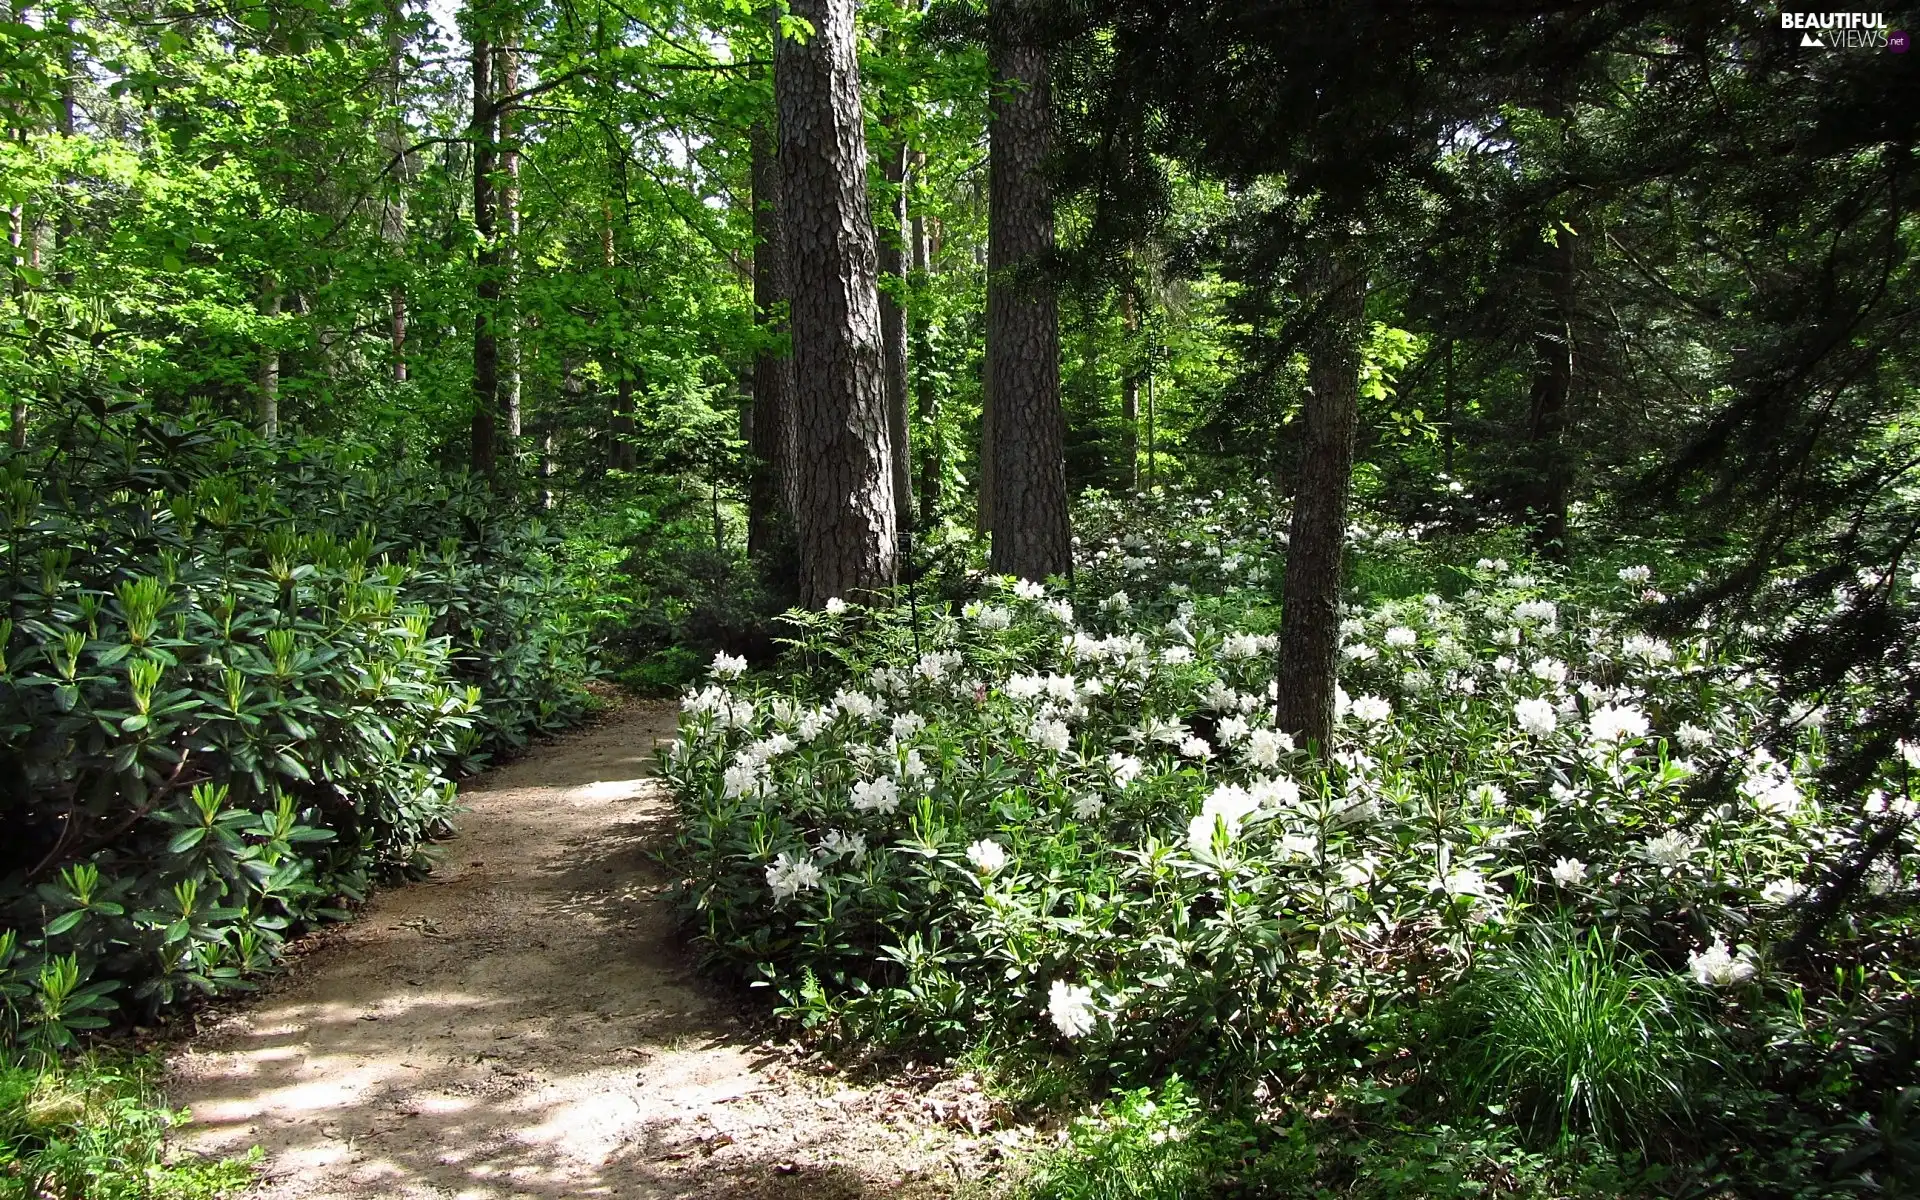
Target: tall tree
(484,134)
(773,365)
(926,406)
(507,78)
(843,473)
(1028,510)
(893,233)
(1316,542)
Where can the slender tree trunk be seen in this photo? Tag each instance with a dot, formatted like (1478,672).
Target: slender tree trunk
(893,323)
(17,234)
(843,476)
(1031,538)
(1446,414)
(1552,387)
(1310,616)
(1130,393)
(773,366)
(926,396)
(620,449)
(393,212)
(267,375)
(507,78)
(486,347)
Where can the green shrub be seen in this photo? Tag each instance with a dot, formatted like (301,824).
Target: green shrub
(94,1130)
(1163,1144)
(1577,1037)
(236,685)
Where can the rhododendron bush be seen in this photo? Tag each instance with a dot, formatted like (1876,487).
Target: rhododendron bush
(1064,817)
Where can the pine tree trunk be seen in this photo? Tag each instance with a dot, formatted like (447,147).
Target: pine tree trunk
(893,325)
(507,77)
(772,368)
(1031,538)
(267,376)
(486,347)
(926,397)
(843,476)
(1130,394)
(393,212)
(1310,617)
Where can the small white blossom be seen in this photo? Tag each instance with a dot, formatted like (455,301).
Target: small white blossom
(836,606)
(1488,794)
(851,846)
(1612,723)
(1782,891)
(1027,589)
(1535,717)
(906,724)
(857,705)
(1125,767)
(1635,574)
(1371,710)
(1692,737)
(1071,1007)
(880,794)
(1534,612)
(1194,746)
(1051,734)
(992,617)
(1232,730)
(1401,638)
(1668,851)
(789,875)
(1716,966)
(987,856)
(728,666)
(1569,871)
(1087,806)
(1549,670)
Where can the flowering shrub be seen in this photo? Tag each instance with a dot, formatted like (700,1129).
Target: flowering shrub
(1044,817)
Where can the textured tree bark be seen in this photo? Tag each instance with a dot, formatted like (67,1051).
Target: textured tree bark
(843,476)
(772,367)
(1031,538)
(1310,616)
(1130,394)
(926,396)
(507,77)
(893,323)
(393,211)
(267,377)
(486,347)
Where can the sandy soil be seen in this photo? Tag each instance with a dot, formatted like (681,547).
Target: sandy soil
(525,1024)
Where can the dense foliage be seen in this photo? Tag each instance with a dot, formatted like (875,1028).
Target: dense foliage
(239,684)
(1062,823)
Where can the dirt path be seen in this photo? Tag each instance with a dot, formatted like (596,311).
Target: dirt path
(525,1025)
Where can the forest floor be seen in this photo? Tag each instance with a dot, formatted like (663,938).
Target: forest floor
(526,1023)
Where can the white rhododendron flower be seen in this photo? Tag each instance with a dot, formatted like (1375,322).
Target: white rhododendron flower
(1027,589)
(1535,717)
(880,794)
(739,779)
(836,606)
(1635,574)
(851,846)
(1668,850)
(1052,735)
(1232,730)
(990,617)
(1717,966)
(1071,1007)
(1194,746)
(1400,637)
(1534,612)
(1371,710)
(1125,767)
(857,705)
(789,875)
(1550,670)
(1265,746)
(1569,871)
(987,856)
(1612,723)
(906,724)
(728,666)
(1692,737)
(1087,806)
(1649,650)
(1488,794)
(1782,891)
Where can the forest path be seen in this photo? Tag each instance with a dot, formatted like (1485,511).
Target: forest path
(524,1023)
